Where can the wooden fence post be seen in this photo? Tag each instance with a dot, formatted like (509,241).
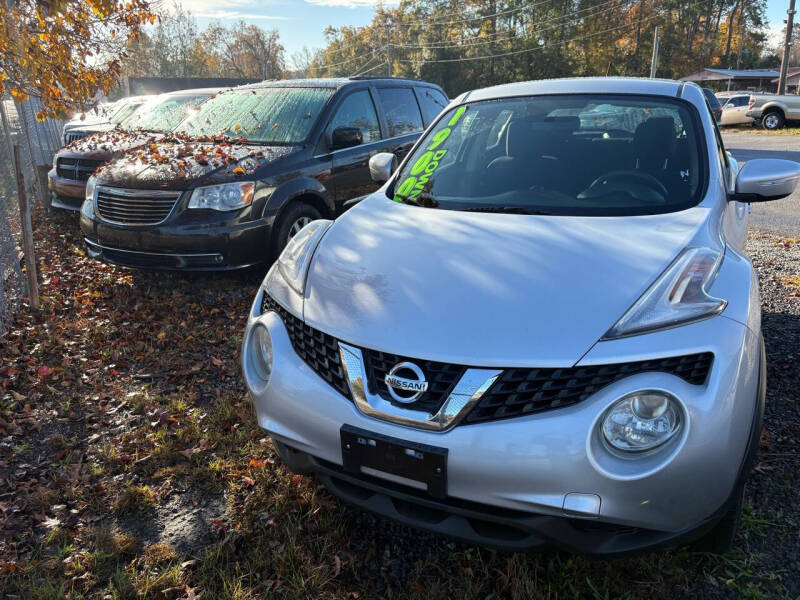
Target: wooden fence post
(27,234)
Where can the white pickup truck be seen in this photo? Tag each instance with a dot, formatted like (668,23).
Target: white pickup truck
(773,111)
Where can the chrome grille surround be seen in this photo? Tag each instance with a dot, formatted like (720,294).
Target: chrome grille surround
(134,207)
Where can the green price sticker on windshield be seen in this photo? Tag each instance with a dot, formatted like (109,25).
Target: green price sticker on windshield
(426,165)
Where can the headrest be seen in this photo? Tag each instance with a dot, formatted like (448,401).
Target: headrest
(654,141)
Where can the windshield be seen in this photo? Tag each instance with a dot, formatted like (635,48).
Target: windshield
(565,155)
(125,111)
(165,113)
(279,116)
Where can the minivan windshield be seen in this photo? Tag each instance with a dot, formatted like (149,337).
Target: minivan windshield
(125,110)
(164,113)
(272,115)
(559,154)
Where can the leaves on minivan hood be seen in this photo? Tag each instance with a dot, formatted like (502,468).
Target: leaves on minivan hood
(110,143)
(173,159)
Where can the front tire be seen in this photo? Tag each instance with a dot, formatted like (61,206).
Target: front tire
(773,120)
(296,216)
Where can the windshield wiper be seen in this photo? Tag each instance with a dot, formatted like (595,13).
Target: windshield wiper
(511,210)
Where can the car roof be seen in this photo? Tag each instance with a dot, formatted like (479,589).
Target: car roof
(577,85)
(330,82)
(194,91)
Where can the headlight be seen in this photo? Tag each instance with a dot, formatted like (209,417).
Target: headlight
(642,421)
(228,196)
(261,352)
(87,208)
(295,259)
(677,297)
(55,160)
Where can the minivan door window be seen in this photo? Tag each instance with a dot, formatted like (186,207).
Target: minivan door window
(432,102)
(357,110)
(401,110)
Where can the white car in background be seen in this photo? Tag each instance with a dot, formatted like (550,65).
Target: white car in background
(734,109)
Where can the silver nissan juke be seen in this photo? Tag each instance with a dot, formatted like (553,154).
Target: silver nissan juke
(541,331)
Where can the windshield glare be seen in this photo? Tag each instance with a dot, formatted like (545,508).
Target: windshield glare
(125,111)
(566,155)
(272,115)
(163,114)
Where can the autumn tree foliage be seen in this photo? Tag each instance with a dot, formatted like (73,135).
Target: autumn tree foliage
(66,51)
(463,44)
(176,48)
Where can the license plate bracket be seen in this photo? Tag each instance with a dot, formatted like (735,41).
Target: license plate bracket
(410,460)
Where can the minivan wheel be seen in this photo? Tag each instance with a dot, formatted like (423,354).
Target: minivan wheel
(773,120)
(294,218)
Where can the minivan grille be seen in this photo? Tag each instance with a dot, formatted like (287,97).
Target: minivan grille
(135,207)
(517,392)
(77,169)
(319,350)
(75,135)
(526,391)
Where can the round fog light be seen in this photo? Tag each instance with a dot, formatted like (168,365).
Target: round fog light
(642,421)
(261,352)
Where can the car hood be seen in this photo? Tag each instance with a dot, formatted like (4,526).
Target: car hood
(107,145)
(179,163)
(485,289)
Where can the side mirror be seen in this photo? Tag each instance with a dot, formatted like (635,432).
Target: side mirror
(381,166)
(346,137)
(763,179)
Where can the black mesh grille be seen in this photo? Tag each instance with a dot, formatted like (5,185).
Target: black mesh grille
(319,350)
(441,378)
(526,391)
(517,391)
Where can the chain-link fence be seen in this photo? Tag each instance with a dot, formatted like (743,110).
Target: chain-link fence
(37,143)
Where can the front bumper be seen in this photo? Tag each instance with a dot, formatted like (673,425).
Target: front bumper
(518,473)
(178,245)
(66,193)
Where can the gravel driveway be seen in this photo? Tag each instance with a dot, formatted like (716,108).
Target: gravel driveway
(780,216)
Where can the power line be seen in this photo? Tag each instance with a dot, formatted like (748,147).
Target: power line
(360,73)
(326,65)
(567,18)
(525,50)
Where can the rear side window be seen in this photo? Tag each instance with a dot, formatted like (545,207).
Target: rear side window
(432,102)
(401,110)
(357,110)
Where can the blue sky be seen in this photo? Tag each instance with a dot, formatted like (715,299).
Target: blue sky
(301,22)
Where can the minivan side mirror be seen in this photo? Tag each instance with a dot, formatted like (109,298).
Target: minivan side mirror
(346,137)
(763,179)
(381,166)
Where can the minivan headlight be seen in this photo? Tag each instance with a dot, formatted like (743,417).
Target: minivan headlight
(294,261)
(227,196)
(677,297)
(642,421)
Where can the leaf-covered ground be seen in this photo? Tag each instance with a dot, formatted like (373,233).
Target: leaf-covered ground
(132,467)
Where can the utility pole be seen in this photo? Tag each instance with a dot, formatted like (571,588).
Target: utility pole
(654,59)
(389,50)
(787,47)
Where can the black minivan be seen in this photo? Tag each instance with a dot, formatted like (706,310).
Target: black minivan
(236,180)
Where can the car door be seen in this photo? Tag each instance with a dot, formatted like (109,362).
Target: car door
(350,176)
(740,109)
(402,118)
(734,221)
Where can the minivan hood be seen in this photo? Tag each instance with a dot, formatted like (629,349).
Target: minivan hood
(484,289)
(178,163)
(106,145)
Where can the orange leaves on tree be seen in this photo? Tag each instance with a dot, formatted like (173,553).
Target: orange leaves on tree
(47,49)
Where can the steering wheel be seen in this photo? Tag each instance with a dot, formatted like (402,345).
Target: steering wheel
(622,182)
